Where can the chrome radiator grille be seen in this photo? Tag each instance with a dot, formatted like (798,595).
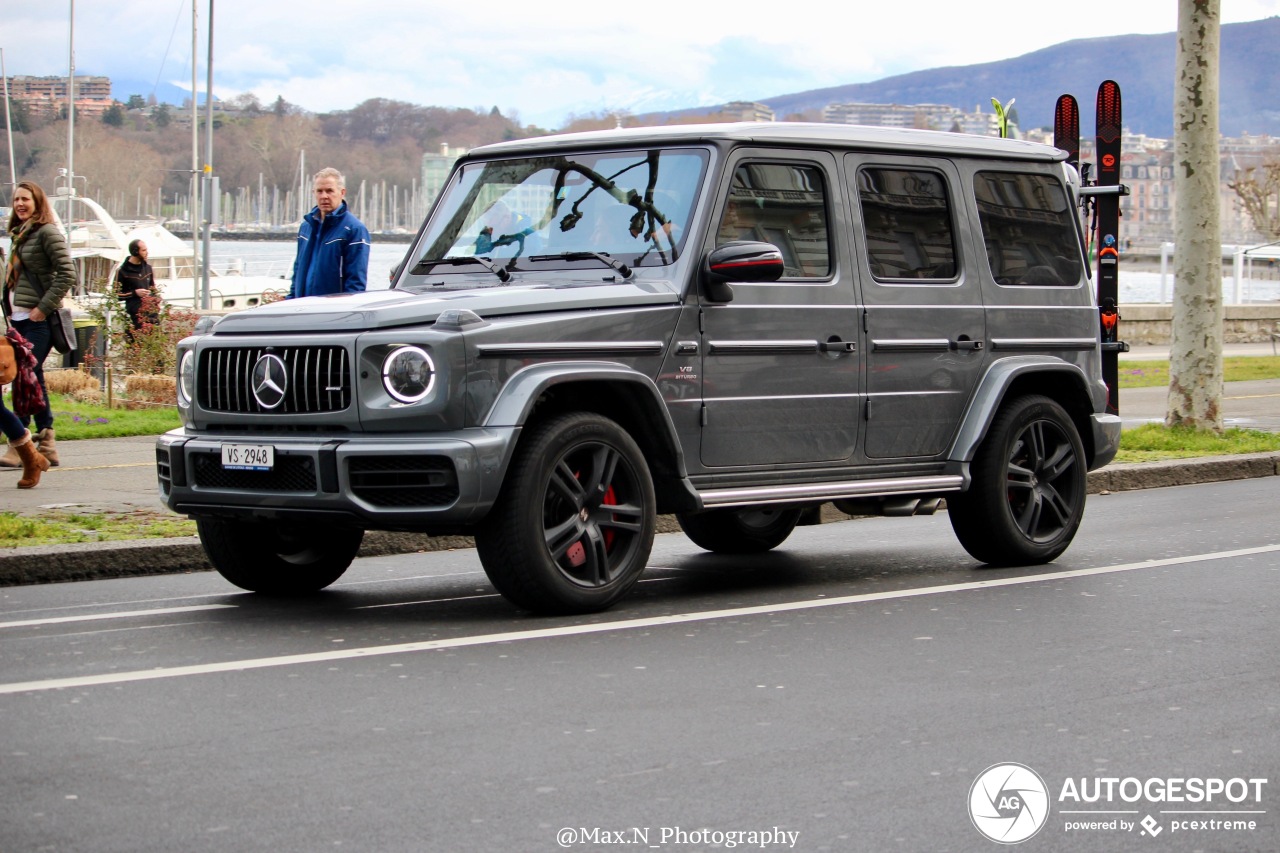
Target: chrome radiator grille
(317,379)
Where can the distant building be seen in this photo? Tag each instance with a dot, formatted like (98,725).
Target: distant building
(47,96)
(980,123)
(942,117)
(746,111)
(920,116)
(1146,165)
(435,171)
(1147,169)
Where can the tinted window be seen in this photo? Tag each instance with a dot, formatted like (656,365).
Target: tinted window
(1027,228)
(782,204)
(908,224)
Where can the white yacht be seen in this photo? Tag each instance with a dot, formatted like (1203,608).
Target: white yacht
(99,244)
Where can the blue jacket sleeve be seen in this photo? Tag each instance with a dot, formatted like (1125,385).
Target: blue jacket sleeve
(355,261)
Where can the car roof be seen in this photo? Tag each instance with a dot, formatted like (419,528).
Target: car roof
(791,134)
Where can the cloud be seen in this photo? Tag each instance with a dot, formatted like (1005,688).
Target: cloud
(557,57)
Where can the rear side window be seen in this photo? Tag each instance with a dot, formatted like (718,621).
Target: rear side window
(1027,229)
(907,215)
(784,204)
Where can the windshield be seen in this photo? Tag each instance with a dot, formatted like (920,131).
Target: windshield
(557,211)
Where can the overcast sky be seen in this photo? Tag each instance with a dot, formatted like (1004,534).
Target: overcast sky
(544,60)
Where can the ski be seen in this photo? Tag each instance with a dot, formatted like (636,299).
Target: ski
(1066,129)
(1107,210)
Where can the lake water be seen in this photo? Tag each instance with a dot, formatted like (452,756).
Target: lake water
(276,258)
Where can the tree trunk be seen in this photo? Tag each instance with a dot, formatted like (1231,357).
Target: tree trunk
(1195,359)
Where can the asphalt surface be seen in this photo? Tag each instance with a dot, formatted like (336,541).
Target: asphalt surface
(118,475)
(849,687)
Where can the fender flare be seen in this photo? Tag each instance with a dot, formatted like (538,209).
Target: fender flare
(991,392)
(520,393)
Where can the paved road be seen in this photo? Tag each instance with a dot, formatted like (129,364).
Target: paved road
(1246,405)
(119,475)
(849,688)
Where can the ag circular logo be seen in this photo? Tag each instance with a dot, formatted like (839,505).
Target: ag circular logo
(1008,803)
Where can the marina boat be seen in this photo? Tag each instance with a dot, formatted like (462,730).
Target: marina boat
(99,244)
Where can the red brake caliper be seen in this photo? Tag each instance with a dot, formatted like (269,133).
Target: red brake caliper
(577,554)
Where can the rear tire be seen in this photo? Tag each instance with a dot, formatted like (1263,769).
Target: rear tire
(572,529)
(1028,484)
(741,530)
(286,558)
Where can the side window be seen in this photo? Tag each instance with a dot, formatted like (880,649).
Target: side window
(908,223)
(784,204)
(1027,228)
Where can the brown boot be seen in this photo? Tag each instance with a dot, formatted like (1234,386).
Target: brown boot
(33,462)
(11,459)
(46,446)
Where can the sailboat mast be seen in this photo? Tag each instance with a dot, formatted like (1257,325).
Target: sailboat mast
(71,119)
(8,121)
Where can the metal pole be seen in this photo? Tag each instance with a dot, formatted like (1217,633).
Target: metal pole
(8,121)
(195,148)
(71,120)
(208,164)
(302,183)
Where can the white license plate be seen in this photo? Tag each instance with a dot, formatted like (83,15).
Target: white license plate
(248,457)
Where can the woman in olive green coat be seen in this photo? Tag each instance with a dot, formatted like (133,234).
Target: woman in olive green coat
(39,273)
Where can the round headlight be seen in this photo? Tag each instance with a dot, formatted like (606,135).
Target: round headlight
(408,374)
(187,378)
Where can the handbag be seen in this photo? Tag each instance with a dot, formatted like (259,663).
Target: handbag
(62,330)
(28,396)
(8,362)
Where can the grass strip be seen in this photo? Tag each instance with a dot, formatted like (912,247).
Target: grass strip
(1237,368)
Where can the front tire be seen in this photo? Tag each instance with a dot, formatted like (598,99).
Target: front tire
(288,558)
(572,529)
(1027,494)
(744,530)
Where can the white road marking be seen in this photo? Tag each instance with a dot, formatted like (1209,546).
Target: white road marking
(331,655)
(228,593)
(121,614)
(454,598)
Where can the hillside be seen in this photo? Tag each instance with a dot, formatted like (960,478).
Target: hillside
(1143,65)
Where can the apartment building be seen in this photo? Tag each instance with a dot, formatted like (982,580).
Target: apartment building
(47,96)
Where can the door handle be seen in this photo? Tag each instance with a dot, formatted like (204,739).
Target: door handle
(837,346)
(966,344)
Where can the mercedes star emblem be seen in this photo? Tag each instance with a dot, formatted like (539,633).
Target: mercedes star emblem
(270,381)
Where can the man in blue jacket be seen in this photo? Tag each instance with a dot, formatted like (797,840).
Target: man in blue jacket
(333,246)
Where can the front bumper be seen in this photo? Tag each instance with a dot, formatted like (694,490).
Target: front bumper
(377,482)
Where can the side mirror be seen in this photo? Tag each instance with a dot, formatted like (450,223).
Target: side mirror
(741,260)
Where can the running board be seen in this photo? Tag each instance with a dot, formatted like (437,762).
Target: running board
(828,491)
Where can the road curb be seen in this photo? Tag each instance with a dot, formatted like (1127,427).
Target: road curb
(1183,472)
(141,557)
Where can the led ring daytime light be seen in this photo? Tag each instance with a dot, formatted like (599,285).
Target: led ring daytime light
(408,374)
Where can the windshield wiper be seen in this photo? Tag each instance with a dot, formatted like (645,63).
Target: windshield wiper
(603,257)
(421,267)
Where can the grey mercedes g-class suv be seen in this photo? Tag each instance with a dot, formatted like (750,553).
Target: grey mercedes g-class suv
(732,323)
